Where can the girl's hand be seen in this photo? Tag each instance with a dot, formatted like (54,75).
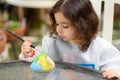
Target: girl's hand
(26,49)
(110,73)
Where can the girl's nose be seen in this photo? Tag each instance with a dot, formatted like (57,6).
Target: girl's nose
(59,30)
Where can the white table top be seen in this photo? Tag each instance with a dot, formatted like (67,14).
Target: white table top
(32,3)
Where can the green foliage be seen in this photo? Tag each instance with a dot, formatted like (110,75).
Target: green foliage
(116,34)
(15,50)
(0,26)
(1,1)
(117,24)
(13,25)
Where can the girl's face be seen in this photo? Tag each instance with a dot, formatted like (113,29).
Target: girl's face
(64,28)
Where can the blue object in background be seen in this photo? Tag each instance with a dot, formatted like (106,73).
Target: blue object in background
(87,65)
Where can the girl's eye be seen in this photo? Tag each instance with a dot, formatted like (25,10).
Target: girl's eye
(65,26)
(62,25)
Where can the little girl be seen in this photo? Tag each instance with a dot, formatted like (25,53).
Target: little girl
(74,28)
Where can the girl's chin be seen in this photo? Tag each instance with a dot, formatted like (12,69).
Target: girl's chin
(65,39)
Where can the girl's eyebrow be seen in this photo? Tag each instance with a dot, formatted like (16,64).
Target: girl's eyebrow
(64,23)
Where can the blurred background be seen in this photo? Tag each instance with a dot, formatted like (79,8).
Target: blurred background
(29,20)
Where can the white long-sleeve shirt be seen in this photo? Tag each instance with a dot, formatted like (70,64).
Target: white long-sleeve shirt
(100,53)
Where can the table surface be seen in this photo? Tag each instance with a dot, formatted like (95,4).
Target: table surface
(32,3)
(19,70)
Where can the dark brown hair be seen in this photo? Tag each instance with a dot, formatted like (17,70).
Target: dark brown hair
(83,16)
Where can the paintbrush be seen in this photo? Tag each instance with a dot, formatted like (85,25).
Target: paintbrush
(17,37)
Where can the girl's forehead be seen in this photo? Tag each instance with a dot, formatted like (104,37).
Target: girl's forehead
(60,18)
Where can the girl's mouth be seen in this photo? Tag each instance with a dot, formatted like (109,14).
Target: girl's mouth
(61,36)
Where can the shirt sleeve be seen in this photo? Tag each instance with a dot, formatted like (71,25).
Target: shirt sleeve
(48,45)
(110,59)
